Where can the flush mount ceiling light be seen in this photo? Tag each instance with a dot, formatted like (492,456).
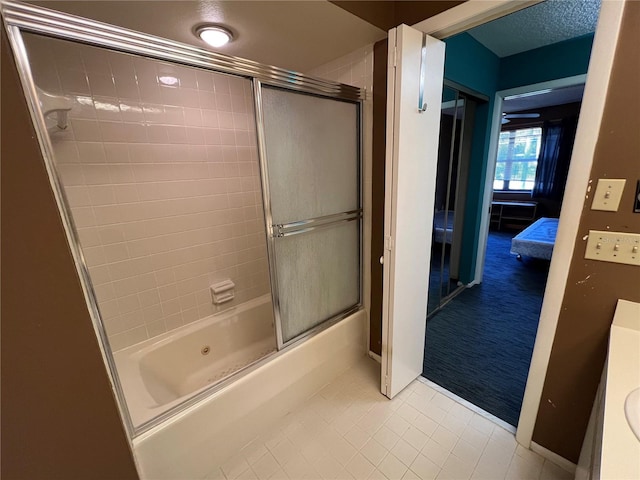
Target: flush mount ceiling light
(214,35)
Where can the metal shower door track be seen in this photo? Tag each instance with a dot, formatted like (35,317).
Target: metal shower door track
(44,21)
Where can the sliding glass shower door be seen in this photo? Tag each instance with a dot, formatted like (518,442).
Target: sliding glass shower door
(310,151)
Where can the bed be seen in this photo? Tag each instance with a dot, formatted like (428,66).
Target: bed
(439,234)
(536,240)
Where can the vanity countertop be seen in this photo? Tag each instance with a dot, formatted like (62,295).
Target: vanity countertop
(620,447)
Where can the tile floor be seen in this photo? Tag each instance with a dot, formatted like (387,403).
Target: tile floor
(348,430)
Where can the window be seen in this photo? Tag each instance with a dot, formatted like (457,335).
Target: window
(517,161)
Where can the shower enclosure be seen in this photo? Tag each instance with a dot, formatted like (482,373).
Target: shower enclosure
(212,204)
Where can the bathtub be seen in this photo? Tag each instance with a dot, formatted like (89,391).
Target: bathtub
(194,441)
(164,371)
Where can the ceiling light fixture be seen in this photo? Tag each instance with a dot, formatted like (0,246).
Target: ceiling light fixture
(214,35)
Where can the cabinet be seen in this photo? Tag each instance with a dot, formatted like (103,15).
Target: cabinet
(512,214)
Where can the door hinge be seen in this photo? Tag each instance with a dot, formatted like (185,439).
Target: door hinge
(395,56)
(388,243)
(386,381)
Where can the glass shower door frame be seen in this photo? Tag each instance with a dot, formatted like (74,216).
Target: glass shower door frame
(19,18)
(276,231)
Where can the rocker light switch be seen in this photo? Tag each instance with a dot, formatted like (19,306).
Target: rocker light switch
(608,194)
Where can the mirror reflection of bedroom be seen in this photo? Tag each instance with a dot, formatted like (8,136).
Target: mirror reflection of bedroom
(480,335)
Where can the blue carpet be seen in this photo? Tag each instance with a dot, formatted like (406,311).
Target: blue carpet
(479,346)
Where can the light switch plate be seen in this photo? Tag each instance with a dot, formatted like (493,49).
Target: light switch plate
(614,247)
(608,194)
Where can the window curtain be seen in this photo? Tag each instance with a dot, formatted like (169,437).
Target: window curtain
(555,155)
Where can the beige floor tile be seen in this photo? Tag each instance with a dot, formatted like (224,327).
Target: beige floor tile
(523,469)
(415,437)
(435,452)
(529,455)
(377,475)
(392,467)
(482,424)
(474,437)
(425,468)
(454,424)
(233,467)
(348,430)
(434,412)
(455,469)
(248,474)
(357,437)
(374,452)
(279,475)
(265,467)
(504,437)
(254,451)
(404,452)
(446,438)
(407,412)
(425,424)
(551,471)
(467,451)
(299,468)
(360,467)
(329,469)
(461,412)
(410,475)
(386,437)
(341,450)
(416,400)
(397,424)
(284,451)
(215,474)
(443,402)
(423,390)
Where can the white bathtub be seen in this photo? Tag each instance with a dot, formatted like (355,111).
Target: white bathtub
(193,442)
(166,370)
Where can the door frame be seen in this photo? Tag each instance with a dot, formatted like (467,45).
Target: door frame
(496,124)
(476,12)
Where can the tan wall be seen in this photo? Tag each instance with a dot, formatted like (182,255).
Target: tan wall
(160,168)
(580,344)
(59,416)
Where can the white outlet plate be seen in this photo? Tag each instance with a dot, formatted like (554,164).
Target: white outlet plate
(608,194)
(613,247)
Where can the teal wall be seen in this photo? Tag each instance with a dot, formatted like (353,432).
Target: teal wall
(469,63)
(560,60)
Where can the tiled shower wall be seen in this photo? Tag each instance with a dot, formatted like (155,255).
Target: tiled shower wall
(159,165)
(355,68)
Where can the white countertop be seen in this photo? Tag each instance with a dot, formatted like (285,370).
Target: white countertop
(620,447)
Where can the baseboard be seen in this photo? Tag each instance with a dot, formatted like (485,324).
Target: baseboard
(554,458)
(375,356)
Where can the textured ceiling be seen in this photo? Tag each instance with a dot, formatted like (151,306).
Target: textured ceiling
(542,24)
(297,35)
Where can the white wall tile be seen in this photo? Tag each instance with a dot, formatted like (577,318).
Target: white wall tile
(161,172)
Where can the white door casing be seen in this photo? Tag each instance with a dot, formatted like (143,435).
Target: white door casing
(410,173)
(477,12)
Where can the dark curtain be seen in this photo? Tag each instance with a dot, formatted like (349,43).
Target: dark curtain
(555,155)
